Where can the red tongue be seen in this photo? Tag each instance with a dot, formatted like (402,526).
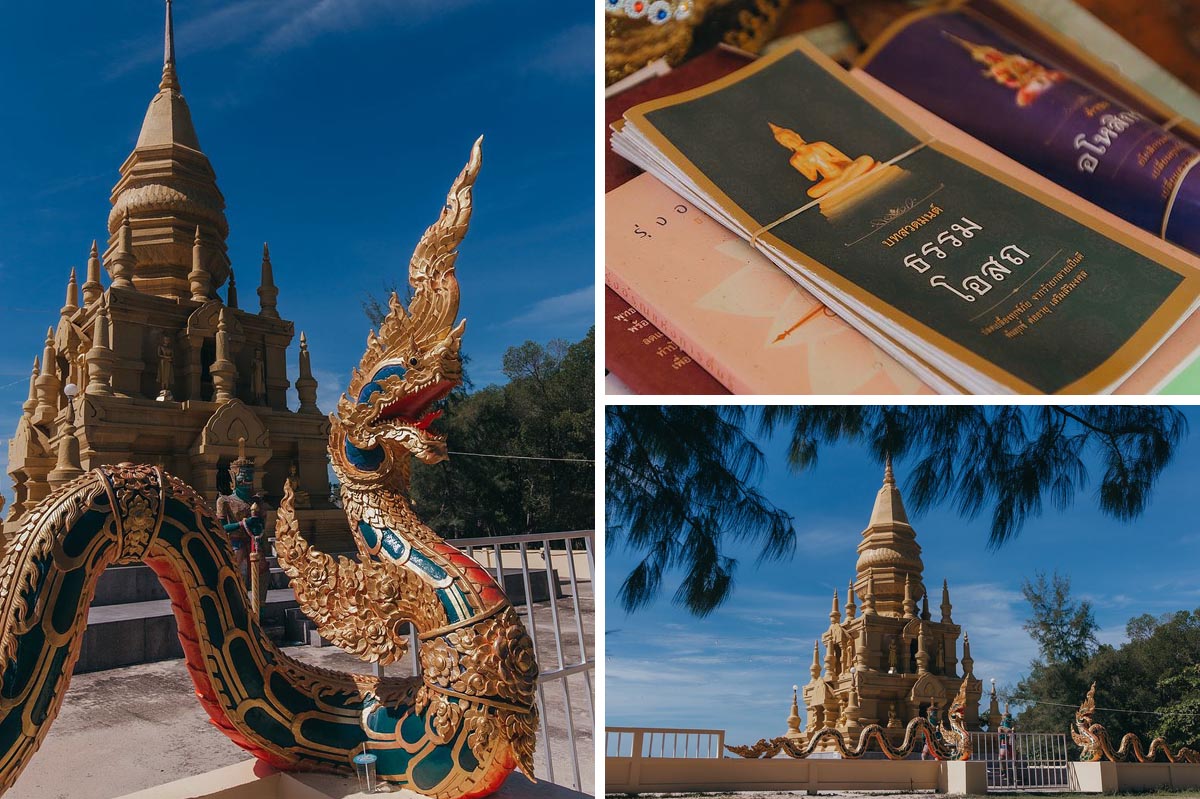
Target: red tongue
(427,420)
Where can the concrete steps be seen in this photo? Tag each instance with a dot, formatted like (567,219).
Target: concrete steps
(130,620)
(142,632)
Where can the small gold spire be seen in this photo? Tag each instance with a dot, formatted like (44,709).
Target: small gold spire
(169,79)
(850,606)
(888,478)
(231,298)
(793,720)
(946,606)
(72,301)
(815,669)
(30,404)
(92,289)
(267,292)
(835,613)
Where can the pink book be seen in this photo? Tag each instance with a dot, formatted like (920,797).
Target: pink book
(747,323)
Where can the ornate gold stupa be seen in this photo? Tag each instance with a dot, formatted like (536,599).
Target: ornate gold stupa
(886,660)
(166,371)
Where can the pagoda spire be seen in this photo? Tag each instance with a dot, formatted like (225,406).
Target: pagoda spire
(815,668)
(223,370)
(169,79)
(30,404)
(100,357)
(167,187)
(72,302)
(968,662)
(850,606)
(231,299)
(68,466)
(793,720)
(48,384)
(121,267)
(946,606)
(306,384)
(910,604)
(869,596)
(835,613)
(925,606)
(267,293)
(92,289)
(200,281)
(889,548)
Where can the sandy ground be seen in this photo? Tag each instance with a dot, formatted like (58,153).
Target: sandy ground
(129,729)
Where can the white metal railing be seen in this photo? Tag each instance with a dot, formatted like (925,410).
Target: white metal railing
(499,551)
(1023,759)
(640,742)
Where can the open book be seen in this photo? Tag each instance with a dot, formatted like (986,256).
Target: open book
(974,281)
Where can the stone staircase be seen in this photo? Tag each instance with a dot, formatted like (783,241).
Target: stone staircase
(130,620)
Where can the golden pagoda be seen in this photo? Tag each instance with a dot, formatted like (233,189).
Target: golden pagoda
(157,367)
(886,660)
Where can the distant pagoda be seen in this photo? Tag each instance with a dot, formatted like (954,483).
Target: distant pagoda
(167,373)
(886,659)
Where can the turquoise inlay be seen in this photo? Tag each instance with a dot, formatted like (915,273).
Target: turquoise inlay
(366,459)
(264,724)
(427,566)
(394,545)
(369,536)
(383,373)
(412,729)
(467,759)
(70,597)
(433,768)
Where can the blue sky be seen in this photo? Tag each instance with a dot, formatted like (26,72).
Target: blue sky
(734,670)
(335,128)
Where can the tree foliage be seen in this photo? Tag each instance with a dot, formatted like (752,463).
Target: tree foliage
(546,409)
(1065,632)
(680,481)
(1149,686)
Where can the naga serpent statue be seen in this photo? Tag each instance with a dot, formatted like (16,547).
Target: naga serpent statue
(1092,739)
(946,743)
(455,731)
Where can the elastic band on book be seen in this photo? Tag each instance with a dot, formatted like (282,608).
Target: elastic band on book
(754,237)
(1175,193)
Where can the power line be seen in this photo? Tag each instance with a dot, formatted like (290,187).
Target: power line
(521,457)
(1021,701)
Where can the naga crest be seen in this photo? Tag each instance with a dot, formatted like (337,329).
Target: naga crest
(478,668)
(413,360)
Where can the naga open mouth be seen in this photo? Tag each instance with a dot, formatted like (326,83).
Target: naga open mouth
(408,408)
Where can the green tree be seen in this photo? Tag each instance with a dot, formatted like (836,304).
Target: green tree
(680,481)
(545,410)
(1065,632)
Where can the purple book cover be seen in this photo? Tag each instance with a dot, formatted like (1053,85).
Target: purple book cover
(1023,104)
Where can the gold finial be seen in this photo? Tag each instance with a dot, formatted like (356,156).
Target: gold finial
(815,669)
(889,479)
(231,298)
(793,721)
(72,294)
(169,78)
(835,613)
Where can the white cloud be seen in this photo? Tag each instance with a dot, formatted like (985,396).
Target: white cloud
(567,307)
(279,25)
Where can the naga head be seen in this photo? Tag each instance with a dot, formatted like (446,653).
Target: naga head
(413,361)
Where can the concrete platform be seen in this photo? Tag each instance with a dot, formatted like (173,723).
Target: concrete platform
(145,632)
(253,779)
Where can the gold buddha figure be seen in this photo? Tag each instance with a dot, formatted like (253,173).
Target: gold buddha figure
(821,161)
